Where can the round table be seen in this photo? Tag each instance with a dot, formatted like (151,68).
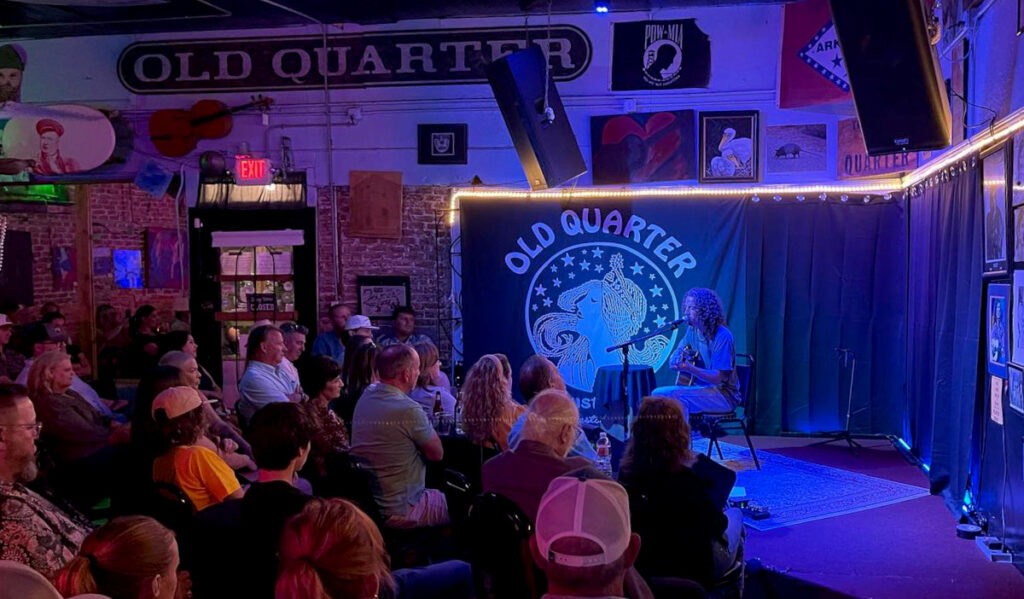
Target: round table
(640,382)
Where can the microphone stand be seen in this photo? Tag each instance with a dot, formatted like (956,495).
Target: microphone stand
(849,358)
(624,377)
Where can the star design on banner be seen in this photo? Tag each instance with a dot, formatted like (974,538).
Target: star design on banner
(652,276)
(647,329)
(654,309)
(664,306)
(598,268)
(540,290)
(637,268)
(659,321)
(567,260)
(534,307)
(572,275)
(557,282)
(598,252)
(547,302)
(584,265)
(554,268)
(656,291)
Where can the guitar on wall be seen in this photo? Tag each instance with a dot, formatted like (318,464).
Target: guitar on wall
(175,132)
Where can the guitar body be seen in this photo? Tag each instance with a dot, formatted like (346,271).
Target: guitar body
(172,133)
(213,118)
(690,355)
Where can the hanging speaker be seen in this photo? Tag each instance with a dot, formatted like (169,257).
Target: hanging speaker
(545,143)
(897,84)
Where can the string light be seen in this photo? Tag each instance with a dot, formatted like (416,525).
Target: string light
(799,197)
(844,198)
(755,199)
(777,198)
(3,239)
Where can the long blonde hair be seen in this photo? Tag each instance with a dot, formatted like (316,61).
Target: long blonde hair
(327,550)
(119,559)
(484,398)
(40,375)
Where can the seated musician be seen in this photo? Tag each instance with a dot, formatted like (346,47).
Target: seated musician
(705,358)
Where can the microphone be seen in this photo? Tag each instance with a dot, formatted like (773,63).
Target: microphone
(679,321)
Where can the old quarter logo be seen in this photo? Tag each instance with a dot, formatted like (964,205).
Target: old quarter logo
(588,296)
(663,53)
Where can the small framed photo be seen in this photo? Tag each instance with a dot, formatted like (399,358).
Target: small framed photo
(729,147)
(997,329)
(378,296)
(1016,319)
(445,143)
(994,193)
(1017,172)
(1016,389)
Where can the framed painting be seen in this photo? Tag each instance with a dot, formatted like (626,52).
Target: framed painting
(1016,382)
(643,147)
(729,147)
(994,198)
(443,143)
(128,269)
(1017,318)
(164,269)
(796,149)
(378,296)
(997,329)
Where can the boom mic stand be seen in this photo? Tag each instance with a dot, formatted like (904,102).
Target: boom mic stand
(624,377)
(849,359)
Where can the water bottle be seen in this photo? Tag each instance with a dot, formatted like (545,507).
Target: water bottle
(458,414)
(604,454)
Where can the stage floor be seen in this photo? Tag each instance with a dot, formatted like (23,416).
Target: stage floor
(896,551)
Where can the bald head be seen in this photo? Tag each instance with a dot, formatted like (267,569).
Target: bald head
(552,419)
(399,366)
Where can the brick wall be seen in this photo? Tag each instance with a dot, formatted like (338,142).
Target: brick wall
(120,214)
(421,254)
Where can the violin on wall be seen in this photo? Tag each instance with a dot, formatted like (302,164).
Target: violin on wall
(175,132)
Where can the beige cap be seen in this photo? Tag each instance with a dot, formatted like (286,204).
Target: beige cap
(177,401)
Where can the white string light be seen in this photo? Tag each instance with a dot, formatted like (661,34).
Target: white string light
(3,239)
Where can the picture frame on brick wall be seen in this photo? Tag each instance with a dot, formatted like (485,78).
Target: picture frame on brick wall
(378,295)
(64,271)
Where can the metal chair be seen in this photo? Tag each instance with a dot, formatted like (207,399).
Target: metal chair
(500,551)
(718,422)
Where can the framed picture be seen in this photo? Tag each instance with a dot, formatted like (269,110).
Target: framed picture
(444,143)
(1016,389)
(997,330)
(1020,17)
(378,296)
(1017,318)
(375,204)
(994,191)
(796,149)
(1017,171)
(643,147)
(996,390)
(64,268)
(729,147)
(164,269)
(128,269)
(1018,235)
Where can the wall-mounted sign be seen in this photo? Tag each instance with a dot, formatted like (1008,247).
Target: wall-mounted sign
(380,58)
(852,160)
(49,141)
(660,55)
(442,143)
(252,171)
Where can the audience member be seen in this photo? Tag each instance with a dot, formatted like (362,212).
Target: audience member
(182,321)
(145,342)
(523,474)
(294,345)
(220,436)
(427,390)
(360,325)
(393,435)
(33,531)
(183,341)
(47,308)
(322,380)
(686,493)
(358,373)
(83,443)
(537,374)
(332,342)
(487,407)
(110,329)
(332,550)
(263,382)
(403,329)
(43,339)
(583,541)
(241,536)
(131,557)
(199,472)
(11,362)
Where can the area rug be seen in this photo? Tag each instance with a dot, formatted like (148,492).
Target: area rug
(796,491)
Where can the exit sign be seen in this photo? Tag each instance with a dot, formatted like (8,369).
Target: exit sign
(252,171)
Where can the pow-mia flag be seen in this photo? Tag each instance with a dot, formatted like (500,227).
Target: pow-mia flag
(660,55)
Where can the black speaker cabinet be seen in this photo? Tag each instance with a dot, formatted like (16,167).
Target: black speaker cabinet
(897,85)
(547,148)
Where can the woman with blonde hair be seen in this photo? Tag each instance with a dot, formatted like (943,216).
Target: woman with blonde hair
(131,557)
(488,410)
(426,391)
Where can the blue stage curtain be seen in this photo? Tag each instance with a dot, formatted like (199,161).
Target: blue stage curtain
(944,299)
(827,275)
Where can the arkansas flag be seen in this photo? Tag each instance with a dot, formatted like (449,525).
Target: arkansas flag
(813,70)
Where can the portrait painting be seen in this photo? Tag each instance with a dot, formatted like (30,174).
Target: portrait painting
(164,269)
(1018,234)
(997,329)
(643,147)
(1017,170)
(729,146)
(796,149)
(63,268)
(994,198)
(128,269)
(1016,381)
(1017,320)
(59,140)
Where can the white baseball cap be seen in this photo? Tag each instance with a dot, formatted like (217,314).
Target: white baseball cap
(595,509)
(359,322)
(5,322)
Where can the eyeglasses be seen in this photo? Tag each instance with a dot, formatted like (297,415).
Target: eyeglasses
(36,427)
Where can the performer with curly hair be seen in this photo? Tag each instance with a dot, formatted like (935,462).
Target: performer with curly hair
(711,386)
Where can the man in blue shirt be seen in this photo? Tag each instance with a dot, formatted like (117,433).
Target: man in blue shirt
(332,343)
(264,382)
(403,329)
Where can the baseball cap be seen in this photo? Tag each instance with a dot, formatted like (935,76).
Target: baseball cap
(177,401)
(593,509)
(5,322)
(359,322)
(45,333)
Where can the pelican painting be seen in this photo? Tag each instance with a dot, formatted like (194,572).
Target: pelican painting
(729,146)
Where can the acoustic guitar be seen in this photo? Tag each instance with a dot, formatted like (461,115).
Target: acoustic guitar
(689,355)
(176,132)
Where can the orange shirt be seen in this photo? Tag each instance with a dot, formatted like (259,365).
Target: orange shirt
(197,471)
